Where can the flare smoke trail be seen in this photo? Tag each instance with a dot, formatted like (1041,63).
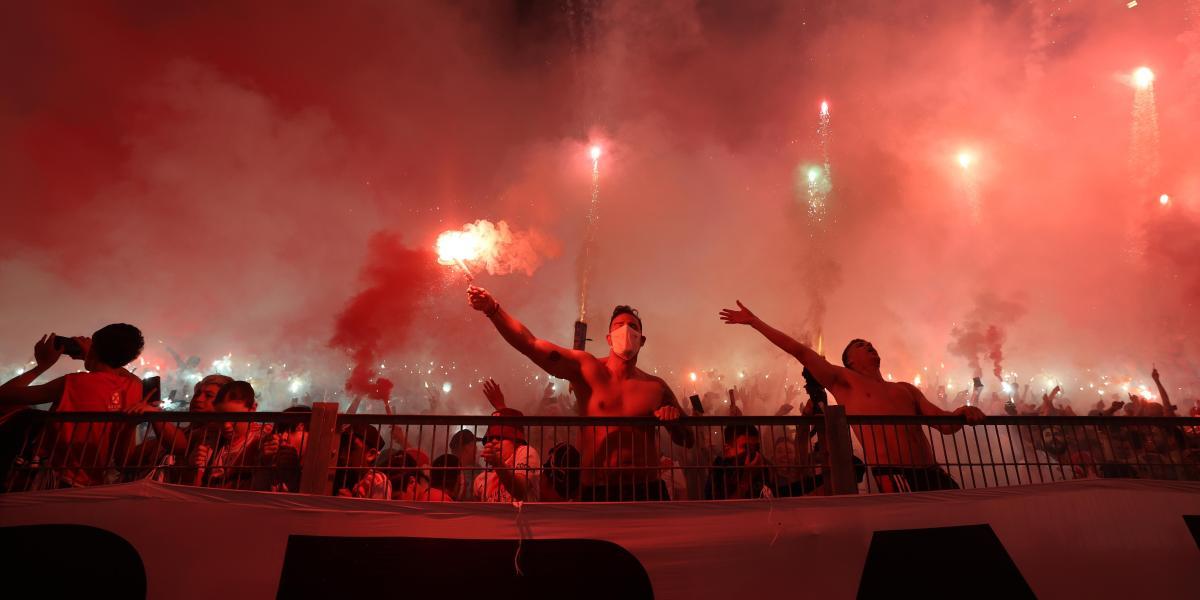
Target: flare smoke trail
(982,335)
(586,260)
(1143,151)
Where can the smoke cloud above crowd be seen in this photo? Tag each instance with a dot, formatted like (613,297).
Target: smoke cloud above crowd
(268,182)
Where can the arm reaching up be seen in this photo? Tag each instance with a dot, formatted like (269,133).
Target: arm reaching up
(553,359)
(1168,408)
(18,391)
(827,374)
(495,397)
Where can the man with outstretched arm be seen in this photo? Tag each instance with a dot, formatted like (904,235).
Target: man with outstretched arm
(902,453)
(619,463)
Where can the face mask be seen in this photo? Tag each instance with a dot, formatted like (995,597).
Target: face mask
(626,341)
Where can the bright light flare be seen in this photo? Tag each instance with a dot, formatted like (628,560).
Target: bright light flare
(446,387)
(1143,77)
(595,152)
(223,365)
(813,174)
(917,380)
(965,159)
(824,108)
(1164,199)
(692,376)
(1007,387)
(455,246)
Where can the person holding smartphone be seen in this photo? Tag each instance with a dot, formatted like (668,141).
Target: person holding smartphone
(104,386)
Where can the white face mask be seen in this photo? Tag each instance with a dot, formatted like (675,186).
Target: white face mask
(626,341)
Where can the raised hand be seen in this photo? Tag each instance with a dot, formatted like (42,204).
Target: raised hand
(1154,374)
(481,300)
(45,352)
(491,391)
(790,392)
(739,316)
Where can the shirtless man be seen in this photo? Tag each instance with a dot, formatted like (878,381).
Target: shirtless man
(611,386)
(901,452)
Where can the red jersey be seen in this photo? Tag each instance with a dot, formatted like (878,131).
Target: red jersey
(81,451)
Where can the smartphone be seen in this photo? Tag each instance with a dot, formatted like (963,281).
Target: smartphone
(152,390)
(69,346)
(697,407)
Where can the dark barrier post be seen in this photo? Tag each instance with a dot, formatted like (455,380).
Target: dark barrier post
(322,445)
(841,454)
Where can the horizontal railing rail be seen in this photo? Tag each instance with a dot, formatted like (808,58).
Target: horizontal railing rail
(559,458)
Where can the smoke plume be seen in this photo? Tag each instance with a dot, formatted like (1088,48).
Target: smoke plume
(982,334)
(378,318)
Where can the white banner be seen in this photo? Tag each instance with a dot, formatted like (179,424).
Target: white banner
(1079,539)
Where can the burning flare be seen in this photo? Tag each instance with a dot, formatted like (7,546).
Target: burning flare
(457,247)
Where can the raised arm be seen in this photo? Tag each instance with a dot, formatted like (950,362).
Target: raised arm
(18,391)
(827,374)
(553,359)
(1168,408)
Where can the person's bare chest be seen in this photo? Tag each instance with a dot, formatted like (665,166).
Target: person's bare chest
(877,398)
(627,398)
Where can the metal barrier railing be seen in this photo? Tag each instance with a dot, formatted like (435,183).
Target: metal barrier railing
(1017,450)
(476,458)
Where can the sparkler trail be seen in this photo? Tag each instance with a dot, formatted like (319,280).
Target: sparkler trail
(824,131)
(819,181)
(966,160)
(590,239)
(1143,150)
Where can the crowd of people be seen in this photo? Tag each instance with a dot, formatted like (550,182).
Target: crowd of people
(513,462)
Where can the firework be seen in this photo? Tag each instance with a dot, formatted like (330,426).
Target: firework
(590,240)
(966,160)
(1143,150)
(1143,78)
(818,180)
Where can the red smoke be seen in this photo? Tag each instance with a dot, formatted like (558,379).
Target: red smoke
(994,340)
(395,279)
(983,333)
